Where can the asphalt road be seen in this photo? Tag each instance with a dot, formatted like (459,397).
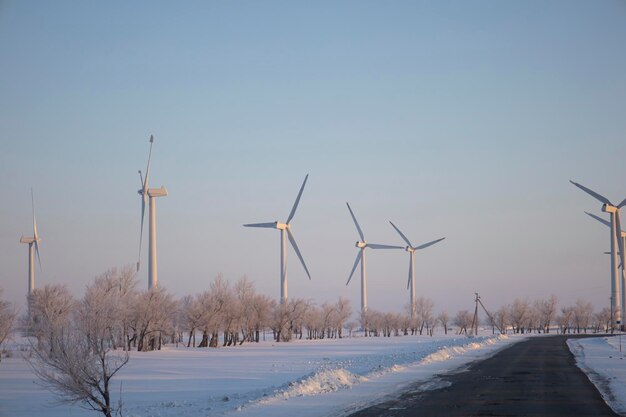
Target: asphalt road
(536,377)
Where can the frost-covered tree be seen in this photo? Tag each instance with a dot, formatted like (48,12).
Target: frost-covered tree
(502,318)
(49,308)
(546,311)
(582,315)
(74,355)
(518,314)
(602,320)
(564,320)
(423,312)
(152,318)
(444,319)
(463,320)
(8,314)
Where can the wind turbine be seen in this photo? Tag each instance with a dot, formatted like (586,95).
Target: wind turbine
(283,246)
(32,242)
(360,257)
(618,297)
(149,194)
(411,249)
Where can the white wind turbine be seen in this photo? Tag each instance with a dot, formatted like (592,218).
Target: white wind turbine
(283,246)
(151,194)
(360,257)
(32,241)
(618,297)
(411,249)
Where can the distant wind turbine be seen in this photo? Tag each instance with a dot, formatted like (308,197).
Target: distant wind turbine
(360,258)
(618,296)
(283,246)
(411,249)
(32,241)
(151,194)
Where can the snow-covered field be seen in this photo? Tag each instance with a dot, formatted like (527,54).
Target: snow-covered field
(605,365)
(307,378)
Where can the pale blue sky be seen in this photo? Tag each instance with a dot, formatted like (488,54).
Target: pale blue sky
(456,119)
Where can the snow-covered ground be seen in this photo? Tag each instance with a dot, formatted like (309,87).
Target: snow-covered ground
(307,378)
(604,362)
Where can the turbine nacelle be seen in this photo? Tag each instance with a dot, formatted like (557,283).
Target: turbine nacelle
(28,240)
(361,245)
(281,226)
(409,249)
(157,192)
(609,208)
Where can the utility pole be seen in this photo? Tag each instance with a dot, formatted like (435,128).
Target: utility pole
(475,319)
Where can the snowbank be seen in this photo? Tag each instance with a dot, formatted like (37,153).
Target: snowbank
(603,362)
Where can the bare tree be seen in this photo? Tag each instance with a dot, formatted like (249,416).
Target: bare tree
(582,315)
(463,320)
(546,310)
(564,320)
(152,317)
(444,319)
(502,318)
(8,314)
(74,354)
(518,314)
(602,320)
(48,309)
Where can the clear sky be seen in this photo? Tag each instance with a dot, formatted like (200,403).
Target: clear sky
(456,119)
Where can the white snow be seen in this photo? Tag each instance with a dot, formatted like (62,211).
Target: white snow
(310,378)
(604,362)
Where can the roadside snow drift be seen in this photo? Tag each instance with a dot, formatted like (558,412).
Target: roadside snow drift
(604,362)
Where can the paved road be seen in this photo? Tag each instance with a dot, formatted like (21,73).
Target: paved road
(536,377)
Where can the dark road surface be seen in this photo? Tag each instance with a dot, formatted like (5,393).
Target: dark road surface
(535,377)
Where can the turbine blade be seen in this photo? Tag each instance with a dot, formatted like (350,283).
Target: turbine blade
(620,241)
(408,283)
(406,239)
(271,225)
(32,200)
(37,253)
(295,205)
(600,219)
(35,235)
(622,204)
(295,248)
(356,263)
(378,246)
(425,245)
(358,228)
(145,183)
(143,212)
(592,193)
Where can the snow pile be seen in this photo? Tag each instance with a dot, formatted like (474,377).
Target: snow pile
(600,358)
(321,382)
(447,353)
(333,377)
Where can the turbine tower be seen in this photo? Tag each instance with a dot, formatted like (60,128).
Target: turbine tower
(149,194)
(622,237)
(617,295)
(360,257)
(411,249)
(32,241)
(286,227)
